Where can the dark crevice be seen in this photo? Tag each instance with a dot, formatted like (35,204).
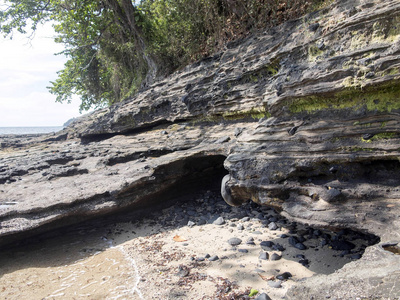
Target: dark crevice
(98,137)
(177,180)
(384,172)
(137,155)
(59,160)
(178,186)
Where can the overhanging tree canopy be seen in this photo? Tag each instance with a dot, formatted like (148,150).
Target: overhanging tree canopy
(114,47)
(106,51)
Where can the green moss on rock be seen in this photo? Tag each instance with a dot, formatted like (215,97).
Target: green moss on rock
(255,113)
(380,136)
(383,99)
(314,52)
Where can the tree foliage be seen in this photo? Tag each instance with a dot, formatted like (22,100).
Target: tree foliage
(116,47)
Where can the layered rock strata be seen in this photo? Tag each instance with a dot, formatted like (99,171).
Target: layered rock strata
(305,117)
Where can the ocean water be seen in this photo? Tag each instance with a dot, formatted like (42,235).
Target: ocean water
(29,130)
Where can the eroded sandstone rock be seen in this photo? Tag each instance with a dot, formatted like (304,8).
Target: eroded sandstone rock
(305,117)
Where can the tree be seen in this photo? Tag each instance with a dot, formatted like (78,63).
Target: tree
(107,57)
(115,47)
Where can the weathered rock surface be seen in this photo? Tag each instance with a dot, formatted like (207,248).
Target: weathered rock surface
(325,151)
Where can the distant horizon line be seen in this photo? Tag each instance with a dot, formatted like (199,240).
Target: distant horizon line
(23,126)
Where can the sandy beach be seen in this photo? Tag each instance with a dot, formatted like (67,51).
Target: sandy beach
(200,248)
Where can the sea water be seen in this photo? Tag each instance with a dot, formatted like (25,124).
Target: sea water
(29,130)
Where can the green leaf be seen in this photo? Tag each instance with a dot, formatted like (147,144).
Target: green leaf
(253,292)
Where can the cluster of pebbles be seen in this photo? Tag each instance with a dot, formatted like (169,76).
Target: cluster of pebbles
(209,208)
(196,248)
(258,231)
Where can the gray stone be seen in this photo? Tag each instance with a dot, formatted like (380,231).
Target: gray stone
(274,284)
(275,256)
(183,271)
(272,226)
(300,246)
(219,221)
(234,241)
(263,255)
(262,296)
(213,258)
(240,227)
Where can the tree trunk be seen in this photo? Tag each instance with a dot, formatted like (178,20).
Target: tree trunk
(125,15)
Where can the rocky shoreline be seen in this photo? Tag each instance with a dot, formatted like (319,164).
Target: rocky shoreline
(303,118)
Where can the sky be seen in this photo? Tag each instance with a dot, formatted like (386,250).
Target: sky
(26,69)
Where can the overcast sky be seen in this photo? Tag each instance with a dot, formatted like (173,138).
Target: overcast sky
(26,69)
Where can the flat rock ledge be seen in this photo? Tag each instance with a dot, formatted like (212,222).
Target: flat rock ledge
(304,117)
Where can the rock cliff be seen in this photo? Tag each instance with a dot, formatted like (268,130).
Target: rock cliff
(304,117)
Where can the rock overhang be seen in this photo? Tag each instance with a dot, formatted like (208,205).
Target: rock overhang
(324,150)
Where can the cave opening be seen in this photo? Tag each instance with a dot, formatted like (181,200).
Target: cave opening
(269,241)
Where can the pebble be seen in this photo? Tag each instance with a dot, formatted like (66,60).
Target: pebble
(304,262)
(245,219)
(284,276)
(201,222)
(250,239)
(243,250)
(262,296)
(183,271)
(272,226)
(293,240)
(240,227)
(191,224)
(275,284)
(273,219)
(266,244)
(259,271)
(275,256)
(300,246)
(263,256)
(219,221)
(260,216)
(213,258)
(234,241)
(200,259)
(278,247)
